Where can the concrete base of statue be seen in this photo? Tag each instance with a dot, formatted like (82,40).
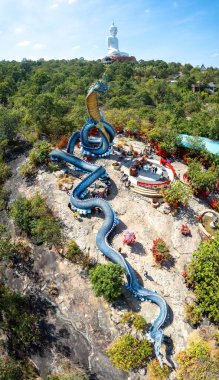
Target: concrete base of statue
(109,60)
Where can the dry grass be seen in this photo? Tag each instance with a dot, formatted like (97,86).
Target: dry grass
(64,180)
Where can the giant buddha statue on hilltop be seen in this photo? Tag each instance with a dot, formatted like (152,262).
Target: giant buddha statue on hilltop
(113,53)
(113,43)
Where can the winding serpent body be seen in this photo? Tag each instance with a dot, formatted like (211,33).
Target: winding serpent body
(101,147)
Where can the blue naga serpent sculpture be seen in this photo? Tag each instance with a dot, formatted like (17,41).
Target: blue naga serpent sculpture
(101,147)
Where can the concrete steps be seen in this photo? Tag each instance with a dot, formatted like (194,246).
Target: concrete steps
(147,192)
(150,193)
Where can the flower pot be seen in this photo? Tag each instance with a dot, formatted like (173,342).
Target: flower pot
(115,165)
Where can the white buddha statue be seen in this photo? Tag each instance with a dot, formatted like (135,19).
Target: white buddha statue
(113,44)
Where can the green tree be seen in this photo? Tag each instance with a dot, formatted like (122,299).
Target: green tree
(50,97)
(127,352)
(107,281)
(166,137)
(203,276)
(8,127)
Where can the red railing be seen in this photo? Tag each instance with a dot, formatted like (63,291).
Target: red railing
(165,163)
(151,185)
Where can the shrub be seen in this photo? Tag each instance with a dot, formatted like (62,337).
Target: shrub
(20,210)
(68,375)
(7,249)
(156,372)
(27,170)
(53,167)
(4,171)
(4,197)
(160,251)
(10,250)
(17,321)
(45,229)
(107,281)
(177,193)
(217,337)
(11,369)
(37,156)
(203,276)
(73,252)
(193,314)
(127,352)
(197,362)
(134,319)
(34,218)
(77,256)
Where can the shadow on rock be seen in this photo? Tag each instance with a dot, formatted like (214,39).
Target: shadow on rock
(138,248)
(170,262)
(120,228)
(188,213)
(169,350)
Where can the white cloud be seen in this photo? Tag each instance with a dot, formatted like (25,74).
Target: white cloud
(72,1)
(55,5)
(38,46)
(214,55)
(19,30)
(76,47)
(23,43)
(147,11)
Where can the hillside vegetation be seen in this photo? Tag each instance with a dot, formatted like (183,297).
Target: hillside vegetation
(47,99)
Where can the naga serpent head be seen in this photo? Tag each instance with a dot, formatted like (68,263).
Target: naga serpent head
(98,86)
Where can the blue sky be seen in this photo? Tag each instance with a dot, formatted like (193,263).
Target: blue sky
(184,31)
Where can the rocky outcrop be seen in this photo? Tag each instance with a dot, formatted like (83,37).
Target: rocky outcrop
(88,320)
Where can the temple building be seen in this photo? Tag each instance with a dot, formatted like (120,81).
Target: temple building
(113,52)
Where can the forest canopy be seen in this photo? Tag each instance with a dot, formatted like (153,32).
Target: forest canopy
(47,98)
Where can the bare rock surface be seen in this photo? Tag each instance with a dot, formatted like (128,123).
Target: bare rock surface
(80,326)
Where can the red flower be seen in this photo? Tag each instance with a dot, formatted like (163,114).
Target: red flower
(214,203)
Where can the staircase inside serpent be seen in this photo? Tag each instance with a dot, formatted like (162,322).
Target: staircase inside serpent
(101,147)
